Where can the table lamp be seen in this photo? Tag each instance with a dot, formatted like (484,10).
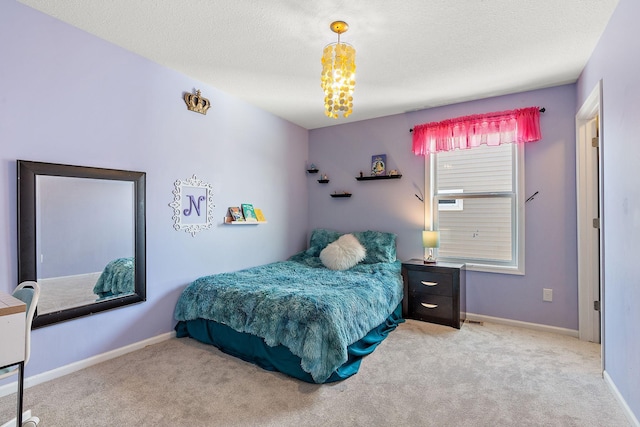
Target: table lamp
(430,239)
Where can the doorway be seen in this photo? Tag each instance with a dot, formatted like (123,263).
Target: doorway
(589,144)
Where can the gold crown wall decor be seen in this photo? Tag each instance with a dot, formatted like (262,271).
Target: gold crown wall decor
(197,102)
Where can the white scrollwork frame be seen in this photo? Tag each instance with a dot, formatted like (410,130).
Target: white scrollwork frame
(187,190)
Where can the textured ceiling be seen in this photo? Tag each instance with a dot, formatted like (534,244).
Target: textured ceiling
(411,54)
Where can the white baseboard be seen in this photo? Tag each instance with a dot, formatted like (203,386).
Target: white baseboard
(81,364)
(623,403)
(517,323)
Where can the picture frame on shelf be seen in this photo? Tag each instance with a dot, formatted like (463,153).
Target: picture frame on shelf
(379,165)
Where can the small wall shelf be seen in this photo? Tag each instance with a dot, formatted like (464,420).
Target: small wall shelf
(229,221)
(323,181)
(372,178)
(313,170)
(341,195)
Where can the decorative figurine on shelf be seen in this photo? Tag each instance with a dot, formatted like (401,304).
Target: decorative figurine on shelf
(312,167)
(325,176)
(393,172)
(361,174)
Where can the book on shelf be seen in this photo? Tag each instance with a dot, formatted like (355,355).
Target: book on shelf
(259,214)
(249,212)
(236,214)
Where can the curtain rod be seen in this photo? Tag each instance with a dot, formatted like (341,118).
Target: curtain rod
(542,110)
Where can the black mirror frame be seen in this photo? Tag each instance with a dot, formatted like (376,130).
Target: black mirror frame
(27,257)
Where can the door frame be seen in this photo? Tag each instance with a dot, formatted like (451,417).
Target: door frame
(589,184)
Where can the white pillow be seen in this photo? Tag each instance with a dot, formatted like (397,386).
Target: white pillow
(344,253)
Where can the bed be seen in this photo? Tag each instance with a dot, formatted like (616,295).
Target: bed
(313,317)
(117,278)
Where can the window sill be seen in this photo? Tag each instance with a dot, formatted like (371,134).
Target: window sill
(486,268)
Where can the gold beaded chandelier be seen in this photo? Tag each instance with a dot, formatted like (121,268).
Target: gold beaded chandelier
(338,74)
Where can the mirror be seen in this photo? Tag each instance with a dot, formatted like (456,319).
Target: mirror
(81,236)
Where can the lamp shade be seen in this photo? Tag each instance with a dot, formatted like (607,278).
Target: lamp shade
(338,74)
(430,239)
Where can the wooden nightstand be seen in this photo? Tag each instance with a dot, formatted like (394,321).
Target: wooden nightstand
(434,292)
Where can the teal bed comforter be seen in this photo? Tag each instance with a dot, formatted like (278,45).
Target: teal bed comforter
(118,277)
(314,312)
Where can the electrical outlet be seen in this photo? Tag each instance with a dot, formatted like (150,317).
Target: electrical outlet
(547,294)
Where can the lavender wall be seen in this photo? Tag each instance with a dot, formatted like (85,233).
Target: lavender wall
(69,97)
(616,62)
(387,205)
(551,257)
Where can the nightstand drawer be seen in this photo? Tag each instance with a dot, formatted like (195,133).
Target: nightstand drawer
(431,308)
(430,283)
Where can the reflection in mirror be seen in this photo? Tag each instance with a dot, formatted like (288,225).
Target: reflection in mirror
(67,272)
(81,236)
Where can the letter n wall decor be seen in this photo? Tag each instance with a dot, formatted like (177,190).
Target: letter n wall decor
(192,205)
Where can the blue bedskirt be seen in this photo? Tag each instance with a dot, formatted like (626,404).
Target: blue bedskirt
(252,348)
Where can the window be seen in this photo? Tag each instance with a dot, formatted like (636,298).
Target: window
(480,214)
(451,204)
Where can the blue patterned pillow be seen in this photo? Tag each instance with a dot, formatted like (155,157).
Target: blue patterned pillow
(320,238)
(380,246)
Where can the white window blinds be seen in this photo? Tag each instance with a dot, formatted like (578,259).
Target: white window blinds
(477,199)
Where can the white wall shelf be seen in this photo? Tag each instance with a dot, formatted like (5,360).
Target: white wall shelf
(229,221)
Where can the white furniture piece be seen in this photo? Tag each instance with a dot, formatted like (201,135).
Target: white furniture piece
(13,321)
(16,315)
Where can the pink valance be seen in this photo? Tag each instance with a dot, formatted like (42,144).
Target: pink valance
(522,125)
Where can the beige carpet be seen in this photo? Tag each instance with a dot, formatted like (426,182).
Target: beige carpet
(422,375)
(60,293)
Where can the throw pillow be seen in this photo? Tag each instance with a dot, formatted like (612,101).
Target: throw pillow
(343,254)
(320,238)
(380,246)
